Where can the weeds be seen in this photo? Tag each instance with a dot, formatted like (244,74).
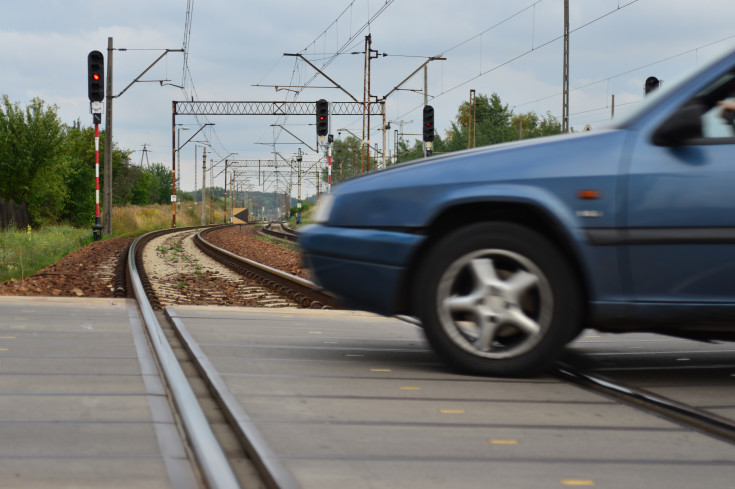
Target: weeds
(22,253)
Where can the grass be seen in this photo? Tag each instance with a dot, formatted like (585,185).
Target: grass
(22,253)
(133,220)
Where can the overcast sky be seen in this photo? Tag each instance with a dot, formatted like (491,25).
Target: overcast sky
(513,49)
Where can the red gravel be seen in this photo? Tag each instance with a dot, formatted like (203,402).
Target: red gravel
(243,241)
(89,271)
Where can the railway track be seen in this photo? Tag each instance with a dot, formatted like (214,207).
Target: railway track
(678,412)
(278,230)
(199,411)
(251,283)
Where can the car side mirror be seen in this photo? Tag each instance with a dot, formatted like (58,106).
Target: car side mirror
(684,125)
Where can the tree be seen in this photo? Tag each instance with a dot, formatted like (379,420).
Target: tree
(78,163)
(30,146)
(347,160)
(164,178)
(530,125)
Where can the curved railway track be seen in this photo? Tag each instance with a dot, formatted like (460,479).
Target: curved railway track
(301,292)
(197,413)
(278,230)
(214,463)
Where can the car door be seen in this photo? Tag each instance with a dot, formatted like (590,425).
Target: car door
(679,231)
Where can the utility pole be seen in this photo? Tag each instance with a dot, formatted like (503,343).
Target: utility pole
(565,91)
(298,183)
(173,164)
(107,191)
(365,98)
(426,85)
(225,191)
(385,128)
(204,185)
(195,178)
(107,171)
(471,120)
(144,154)
(612,107)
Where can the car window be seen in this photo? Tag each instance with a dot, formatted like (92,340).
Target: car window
(715,126)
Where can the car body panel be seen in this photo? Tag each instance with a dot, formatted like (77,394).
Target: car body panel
(650,228)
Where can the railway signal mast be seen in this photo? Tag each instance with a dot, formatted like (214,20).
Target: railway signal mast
(322,130)
(96,93)
(428,129)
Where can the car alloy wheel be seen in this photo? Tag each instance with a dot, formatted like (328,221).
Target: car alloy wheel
(494,303)
(497,299)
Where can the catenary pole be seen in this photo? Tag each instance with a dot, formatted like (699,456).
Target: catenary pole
(173,164)
(107,172)
(565,78)
(204,187)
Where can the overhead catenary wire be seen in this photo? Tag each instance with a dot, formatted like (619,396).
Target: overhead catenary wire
(633,70)
(517,57)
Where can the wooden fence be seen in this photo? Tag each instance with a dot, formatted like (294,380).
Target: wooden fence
(12,214)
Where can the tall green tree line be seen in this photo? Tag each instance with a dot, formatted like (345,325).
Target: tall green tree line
(50,165)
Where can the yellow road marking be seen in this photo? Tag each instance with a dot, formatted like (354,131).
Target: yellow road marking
(410,388)
(380,370)
(451,411)
(503,442)
(577,482)
(315,332)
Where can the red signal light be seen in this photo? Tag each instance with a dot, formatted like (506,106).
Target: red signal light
(96,76)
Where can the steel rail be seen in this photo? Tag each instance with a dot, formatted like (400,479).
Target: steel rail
(275,475)
(269,273)
(285,234)
(208,452)
(670,409)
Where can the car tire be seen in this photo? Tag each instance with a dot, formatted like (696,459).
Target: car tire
(497,299)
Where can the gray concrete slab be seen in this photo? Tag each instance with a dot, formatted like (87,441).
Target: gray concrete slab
(481,441)
(81,403)
(354,400)
(505,474)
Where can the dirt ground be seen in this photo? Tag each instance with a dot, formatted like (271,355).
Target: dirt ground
(89,271)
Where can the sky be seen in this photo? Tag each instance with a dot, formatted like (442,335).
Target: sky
(235,52)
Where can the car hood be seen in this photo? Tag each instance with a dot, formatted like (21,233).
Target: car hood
(410,194)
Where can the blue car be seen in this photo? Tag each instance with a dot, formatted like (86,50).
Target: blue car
(507,252)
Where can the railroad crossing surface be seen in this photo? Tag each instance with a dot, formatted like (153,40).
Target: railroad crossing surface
(339,399)
(81,400)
